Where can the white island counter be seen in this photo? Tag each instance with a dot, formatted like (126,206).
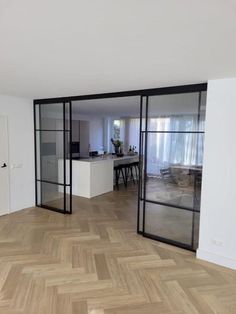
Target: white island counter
(94,176)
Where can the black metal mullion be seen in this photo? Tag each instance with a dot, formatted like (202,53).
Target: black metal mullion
(195,181)
(142,168)
(70,151)
(145,165)
(190,88)
(51,130)
(140,162)
(64,155)
(169,205)
(169,241)
(176,132)
(52,182)
(40,147)
(35,158)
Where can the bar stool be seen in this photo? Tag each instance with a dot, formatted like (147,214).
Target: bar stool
(135,166)
(128,170)
(119,169)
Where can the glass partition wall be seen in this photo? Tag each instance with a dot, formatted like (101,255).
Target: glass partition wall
(52,156)
(171,149)
(170,145)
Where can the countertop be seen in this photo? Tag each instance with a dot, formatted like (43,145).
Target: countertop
(107,158)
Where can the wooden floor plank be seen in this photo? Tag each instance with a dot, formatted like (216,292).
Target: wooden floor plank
(94,262)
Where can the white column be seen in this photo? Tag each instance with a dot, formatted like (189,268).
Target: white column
(218,208)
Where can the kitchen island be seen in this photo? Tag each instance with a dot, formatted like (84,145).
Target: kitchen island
(94,176)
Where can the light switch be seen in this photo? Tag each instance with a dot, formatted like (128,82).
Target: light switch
(16,166)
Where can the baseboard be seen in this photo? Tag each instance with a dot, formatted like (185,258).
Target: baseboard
(14,210)
(216,259)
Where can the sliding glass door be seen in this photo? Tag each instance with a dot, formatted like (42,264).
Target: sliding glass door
(171,149)
(53,156)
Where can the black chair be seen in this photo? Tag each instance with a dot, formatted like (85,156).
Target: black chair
(167,175)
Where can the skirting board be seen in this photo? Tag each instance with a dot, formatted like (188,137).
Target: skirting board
(216,259)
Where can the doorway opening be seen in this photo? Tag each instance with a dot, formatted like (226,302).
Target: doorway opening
(106,135)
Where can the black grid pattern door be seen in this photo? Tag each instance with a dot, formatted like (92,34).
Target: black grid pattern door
(171,160)
(53,171)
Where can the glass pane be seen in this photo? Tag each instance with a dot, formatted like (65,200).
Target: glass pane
(143,113)
(202,111)
(38,156)
(173,165)
(196,217)
(52,154)
(140,216)
(169,223)
(37,116)
(178,112)
(197,190)
(52,195)
(60,159)
(142,161)
(67,154)
(50,117)
(68,199)
(39,199)
(67,116)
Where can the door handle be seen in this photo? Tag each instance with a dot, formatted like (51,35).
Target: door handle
(4,165)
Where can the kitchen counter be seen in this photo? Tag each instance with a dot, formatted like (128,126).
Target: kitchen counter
(94,176)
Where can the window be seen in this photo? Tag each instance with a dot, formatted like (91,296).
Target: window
(180,148)
(116,129)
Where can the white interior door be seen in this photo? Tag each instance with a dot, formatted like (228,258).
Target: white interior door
(4,169)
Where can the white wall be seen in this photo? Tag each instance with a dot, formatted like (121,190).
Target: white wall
(96,129)
(218,209)
(96,134)
(21,150)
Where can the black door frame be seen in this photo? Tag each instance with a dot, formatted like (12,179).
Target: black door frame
(190,88)
(144,115)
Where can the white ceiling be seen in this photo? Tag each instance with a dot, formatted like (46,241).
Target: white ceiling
(51,48)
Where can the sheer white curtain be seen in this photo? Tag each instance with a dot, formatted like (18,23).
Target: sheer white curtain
(133,133)
(122,130)
(165,149)
(129,132)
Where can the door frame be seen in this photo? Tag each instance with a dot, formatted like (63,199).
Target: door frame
(189,88)
(38,158)
(7,162)
(143,167)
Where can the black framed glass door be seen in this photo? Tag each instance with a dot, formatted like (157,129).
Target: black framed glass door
(171,160)
(53,171)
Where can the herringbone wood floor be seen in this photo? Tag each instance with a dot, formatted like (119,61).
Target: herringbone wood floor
(94,262)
